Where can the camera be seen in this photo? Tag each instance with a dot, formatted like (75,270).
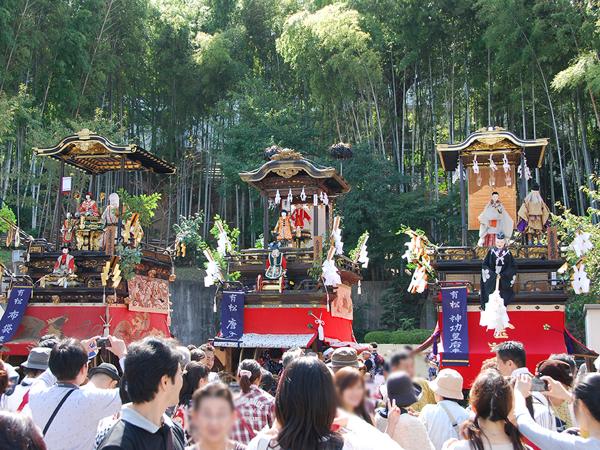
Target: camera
(102,342)
(538,385)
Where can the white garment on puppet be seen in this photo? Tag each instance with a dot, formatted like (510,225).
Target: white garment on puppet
(581,244)
(330,273)
(581,282)
(495,315)
(497,212)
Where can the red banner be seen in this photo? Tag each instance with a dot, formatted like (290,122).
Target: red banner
(84,321)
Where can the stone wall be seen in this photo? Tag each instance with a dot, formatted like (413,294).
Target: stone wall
(193,320)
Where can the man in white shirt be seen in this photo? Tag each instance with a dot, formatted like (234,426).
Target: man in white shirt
(511,361)
(68,414)
(33,367)
(443,419)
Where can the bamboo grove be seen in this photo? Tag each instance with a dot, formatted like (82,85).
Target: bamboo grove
(208,84)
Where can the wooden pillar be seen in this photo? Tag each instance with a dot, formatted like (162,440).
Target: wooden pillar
(463,204)
(121,206)
(316,219)
(266,227)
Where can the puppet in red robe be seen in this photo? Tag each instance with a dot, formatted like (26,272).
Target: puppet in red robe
(65,263)
(299,217)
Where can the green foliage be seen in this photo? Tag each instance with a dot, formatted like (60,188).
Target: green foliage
(567,225)
(414,336)
(353,254)
(330,50)
(144,205)
(7,216)
(130,258)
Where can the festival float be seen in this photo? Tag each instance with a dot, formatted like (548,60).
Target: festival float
(295,291)
(97,274)
(511,285)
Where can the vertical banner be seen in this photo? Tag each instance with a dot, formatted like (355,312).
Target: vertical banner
(232,315)
(455,330)
(15,310)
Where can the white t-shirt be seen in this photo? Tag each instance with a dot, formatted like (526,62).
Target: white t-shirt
(357,434)
(438,424)
(76,424)
(466,445)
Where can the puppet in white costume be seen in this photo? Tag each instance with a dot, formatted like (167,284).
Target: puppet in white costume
(494,219)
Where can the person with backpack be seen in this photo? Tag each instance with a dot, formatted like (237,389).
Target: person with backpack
(67,412)
(443,419)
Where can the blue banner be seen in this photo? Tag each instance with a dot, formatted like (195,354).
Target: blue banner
(232,315)
(15,311)
(455,326)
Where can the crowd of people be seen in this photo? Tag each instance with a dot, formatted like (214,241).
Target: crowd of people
(164,396)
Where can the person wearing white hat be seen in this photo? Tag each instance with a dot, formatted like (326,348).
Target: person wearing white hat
(443,419)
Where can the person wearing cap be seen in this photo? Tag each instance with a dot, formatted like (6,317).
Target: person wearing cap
(343,357)
(404,428)
(559,371)
(104,376)
(33,367)
(443,419)
(404,361)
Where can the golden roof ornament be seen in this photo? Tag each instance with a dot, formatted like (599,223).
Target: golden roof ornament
(286,154)
(84,134)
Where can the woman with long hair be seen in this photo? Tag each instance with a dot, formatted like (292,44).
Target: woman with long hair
(213,417)
(586,405)
(195,376)
(305,408)
(351,392)
(254,406)
(491,401)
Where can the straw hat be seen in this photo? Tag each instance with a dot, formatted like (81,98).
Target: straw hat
(448,384)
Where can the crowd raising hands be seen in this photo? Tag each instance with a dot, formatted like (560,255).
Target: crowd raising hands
(156,394)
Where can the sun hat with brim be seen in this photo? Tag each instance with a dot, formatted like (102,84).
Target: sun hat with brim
(557,370)
(344,357)
(106,369)
(448,384)
(37,359)
(401,389)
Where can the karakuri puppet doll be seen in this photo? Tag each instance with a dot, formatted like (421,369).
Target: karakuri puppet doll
(533,214)
(283,229)
(88,207)
(494,219)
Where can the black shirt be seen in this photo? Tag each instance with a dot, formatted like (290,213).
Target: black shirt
(126,436)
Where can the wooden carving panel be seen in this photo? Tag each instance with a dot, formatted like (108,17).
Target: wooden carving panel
(480,195)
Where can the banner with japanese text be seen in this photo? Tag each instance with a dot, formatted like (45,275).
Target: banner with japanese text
(232,315)
(15,310)
(455,330)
